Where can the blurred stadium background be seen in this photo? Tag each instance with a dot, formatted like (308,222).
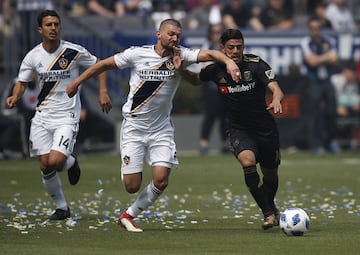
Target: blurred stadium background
(104,37)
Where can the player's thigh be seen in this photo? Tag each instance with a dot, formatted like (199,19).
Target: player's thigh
(40,139)
(132,157)
(241,140)
(64,139)
(162,150)
(132,150)
(132,162)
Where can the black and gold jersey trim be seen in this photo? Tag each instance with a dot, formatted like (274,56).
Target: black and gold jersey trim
(147,90)
(62,62)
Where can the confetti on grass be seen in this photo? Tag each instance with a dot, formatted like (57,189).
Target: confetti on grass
(172,212)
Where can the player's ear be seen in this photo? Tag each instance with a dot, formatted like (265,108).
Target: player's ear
(222,48)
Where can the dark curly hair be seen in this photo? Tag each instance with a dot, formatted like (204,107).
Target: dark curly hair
(229,34)
(46,13)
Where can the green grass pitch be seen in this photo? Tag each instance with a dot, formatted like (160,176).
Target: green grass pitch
(205,210)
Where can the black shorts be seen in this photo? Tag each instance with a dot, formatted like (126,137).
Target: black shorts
(264,145)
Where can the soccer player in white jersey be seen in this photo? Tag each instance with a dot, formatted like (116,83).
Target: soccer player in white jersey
(55,124)
(147,131)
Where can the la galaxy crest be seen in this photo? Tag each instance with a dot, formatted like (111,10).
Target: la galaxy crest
(126,160)
(63,62)
(169,64)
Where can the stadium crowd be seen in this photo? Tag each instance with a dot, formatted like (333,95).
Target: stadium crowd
(340,15)
(270,15)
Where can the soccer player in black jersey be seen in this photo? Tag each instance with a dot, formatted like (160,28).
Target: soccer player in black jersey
(251,127)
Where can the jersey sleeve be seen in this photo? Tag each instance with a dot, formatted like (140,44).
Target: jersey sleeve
(86,59)
(265,73)
(190,56)
(125,58)
(26,69)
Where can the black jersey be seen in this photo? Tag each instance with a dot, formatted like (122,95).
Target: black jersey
(244,102)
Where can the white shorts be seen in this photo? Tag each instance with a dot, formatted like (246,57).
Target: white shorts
(45,137)
(158,148)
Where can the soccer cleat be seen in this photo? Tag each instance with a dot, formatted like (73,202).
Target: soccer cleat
(269,222)
(127,221)
(74,172)
(60,214)
(277,218)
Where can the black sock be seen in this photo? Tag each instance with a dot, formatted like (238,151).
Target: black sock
(252,181)
(271,184)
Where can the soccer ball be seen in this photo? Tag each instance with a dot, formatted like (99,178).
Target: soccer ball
(294,222)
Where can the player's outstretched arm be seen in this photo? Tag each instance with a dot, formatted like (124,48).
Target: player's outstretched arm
(98,68)
(215,55)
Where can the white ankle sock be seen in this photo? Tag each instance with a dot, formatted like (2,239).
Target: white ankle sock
(146,198)
(52,184)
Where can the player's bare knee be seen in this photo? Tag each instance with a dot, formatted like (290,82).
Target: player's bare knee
(246,163)
(247,158)
(56,160)
(132,182)
(132,187)
(161,184)
(56,165)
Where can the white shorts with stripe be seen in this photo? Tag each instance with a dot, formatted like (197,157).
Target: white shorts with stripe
(45,136)
(157,148)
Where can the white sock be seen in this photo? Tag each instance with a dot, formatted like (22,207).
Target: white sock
(52,184)
(147,197)
(69,163)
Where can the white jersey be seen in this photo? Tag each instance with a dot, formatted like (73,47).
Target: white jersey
(341,18)
(153,84)
(54,72)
